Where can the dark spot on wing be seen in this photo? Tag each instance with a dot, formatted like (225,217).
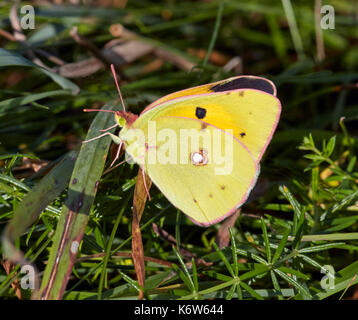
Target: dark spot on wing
(210,195)
(245,83)
(195,201)
(241,93)
(204,126)
(242,134)
(200,113)
(222,187)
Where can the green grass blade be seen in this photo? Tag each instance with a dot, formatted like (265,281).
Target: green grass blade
(281,246)
(12,58)
(185,270)
(321,247)
(251,291)
(266,239)
(37,199)
(293,282)
(74,215)
(215,33)
(348,276)
(295,34)
(234,252)
(276,285)
(26,99)
(109,246)
(223,258)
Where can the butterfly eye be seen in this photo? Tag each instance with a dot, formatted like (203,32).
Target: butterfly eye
(199,158)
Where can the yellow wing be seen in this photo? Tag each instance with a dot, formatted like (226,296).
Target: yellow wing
(252,115)
(202,187)
(234,83)
(208,189)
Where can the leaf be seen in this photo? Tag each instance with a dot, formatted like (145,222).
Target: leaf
(20,101)
(330,237)
(109,247)
(296,284)
(250,290)
(330,146)
(294,272)
(234,252)
(344,278)
(130,281)
(321,247)
(298,218)
(74,215)
(30,208)
(38,198)
(185,274)
(341,204)
(276,285)
(281,246)
(11,58)
(315,157)
(223,258)
(266,239)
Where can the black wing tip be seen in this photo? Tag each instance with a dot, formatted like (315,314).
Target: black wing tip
(246,82)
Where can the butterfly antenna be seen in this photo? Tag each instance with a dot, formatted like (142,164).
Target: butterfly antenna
(119,90)
(98,110)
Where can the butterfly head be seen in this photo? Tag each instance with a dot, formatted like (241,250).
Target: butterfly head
(124,118)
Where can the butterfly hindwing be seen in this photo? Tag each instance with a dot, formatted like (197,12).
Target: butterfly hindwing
(208,191)
(186,172)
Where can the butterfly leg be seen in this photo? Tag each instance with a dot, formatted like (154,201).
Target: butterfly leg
(111,127)
(115,138)
(117,154)
(117,165)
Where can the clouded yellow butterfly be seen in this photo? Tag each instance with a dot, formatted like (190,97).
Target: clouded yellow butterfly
(202,146)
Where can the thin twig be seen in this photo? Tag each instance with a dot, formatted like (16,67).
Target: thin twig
(319,34)
(215,33)
(81,40)
(7,35)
